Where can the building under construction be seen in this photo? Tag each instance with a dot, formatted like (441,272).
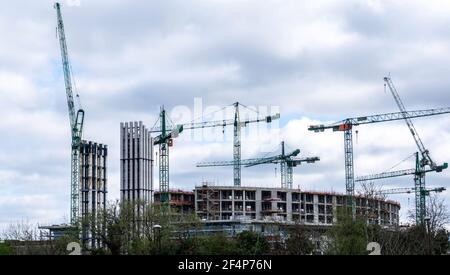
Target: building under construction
(182,202)
(231,204)
(136,165)
(93,181)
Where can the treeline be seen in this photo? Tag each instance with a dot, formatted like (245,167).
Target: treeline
(139,230)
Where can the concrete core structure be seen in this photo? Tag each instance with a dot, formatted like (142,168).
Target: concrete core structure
(136,165)
(93,187)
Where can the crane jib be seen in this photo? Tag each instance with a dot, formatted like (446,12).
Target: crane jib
(348,123)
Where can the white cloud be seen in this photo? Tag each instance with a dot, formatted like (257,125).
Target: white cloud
(317,60)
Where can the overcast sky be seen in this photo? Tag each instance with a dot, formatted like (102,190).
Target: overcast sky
(314,61)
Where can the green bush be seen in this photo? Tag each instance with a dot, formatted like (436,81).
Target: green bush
(348,236)
(217,244)
(5,249)
(251,243)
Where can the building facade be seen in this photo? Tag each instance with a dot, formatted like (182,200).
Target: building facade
(258,204)
(93,187)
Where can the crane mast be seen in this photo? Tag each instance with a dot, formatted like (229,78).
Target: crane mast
(164,160)
(284,171)
(76,118)
(237,147)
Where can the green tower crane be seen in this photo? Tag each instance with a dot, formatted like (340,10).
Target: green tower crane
(76,118)
(286,161)
(165,140)
(425,161)
(347,125)
(168,132)
(420,191)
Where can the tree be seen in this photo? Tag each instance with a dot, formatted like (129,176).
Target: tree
(24,238)
(299,241)
(252,243)
(438,213)
(431,237)
(138,228)
(218,244)
(441,242)
(370,190)
(110,226)
(189,245)
(21,231)
(5,249)
(348,236)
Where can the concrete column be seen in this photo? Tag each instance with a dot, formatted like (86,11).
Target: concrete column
(243,203)
(390,214)
(289,205)
(151,157)
(135,156)
(220,204)
(334,201)
(144,166)
(122,157)
(378,205)
(274,202)
(316,208)
(258,203)
(141,168)
(232,204)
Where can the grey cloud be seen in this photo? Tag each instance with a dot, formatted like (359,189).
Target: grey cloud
(315,59)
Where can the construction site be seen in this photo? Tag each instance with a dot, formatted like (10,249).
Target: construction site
(281,205)
(236,207)
(231,204)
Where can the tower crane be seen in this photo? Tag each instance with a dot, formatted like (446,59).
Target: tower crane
(420,191)
(347,125)
(286,161)
(76,118)
(165,140)
(168,133)
(425,161)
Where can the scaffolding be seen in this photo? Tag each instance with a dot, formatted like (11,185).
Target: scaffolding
(210,202)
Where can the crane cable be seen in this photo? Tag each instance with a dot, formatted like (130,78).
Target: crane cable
(208,114)
(156,122)
(410,156)
(75,85)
